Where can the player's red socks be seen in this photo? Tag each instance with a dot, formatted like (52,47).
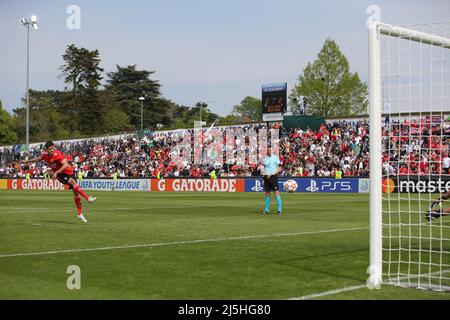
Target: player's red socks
(78,204)
(77,188)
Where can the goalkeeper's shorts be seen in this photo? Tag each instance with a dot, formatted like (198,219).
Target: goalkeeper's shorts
(271,184)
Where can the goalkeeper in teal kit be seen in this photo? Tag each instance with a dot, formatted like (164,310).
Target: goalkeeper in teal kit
(436,210)
(271,169)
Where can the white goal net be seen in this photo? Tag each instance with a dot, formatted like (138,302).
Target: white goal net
(410,129)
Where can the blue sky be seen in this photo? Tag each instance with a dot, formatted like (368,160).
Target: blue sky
(212,51)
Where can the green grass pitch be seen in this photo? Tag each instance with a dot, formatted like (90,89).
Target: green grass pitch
(142,245)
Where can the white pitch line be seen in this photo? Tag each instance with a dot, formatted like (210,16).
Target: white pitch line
(362,286)
(150,245)
(227,203)
(329,293)
(51,210)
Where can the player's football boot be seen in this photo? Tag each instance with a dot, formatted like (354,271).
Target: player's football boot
(279,212)
(91,199)
(265,212)
(82,218)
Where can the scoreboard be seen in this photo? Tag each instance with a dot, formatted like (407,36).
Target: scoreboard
(274,102)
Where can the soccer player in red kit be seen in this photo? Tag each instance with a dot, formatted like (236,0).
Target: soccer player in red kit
(61,169)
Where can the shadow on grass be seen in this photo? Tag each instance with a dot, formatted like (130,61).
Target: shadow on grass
(53,222)
(341,266)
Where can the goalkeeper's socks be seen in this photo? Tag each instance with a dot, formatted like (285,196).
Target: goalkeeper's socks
(267,202)
(77,188)
(279,203)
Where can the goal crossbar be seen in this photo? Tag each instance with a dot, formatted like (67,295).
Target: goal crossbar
(413,35)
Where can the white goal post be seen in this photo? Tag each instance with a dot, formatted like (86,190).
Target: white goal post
(426,239)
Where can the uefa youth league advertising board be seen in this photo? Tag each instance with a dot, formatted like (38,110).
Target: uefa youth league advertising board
(117,185)
(87,184)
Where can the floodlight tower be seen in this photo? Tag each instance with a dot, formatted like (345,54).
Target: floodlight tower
(142,99)
(30,23)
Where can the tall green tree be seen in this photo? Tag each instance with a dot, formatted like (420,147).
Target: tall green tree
(81,68)
(115,119)
(329,87)
(128,84)
(46,120)
(231,119)
(82,74)
(249,109)
(180,117)
(201,111)
(8,131)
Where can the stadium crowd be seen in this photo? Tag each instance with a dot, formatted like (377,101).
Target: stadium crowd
(416,147)
(410,147)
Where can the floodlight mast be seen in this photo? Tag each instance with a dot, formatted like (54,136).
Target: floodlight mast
(28,23)
(142,99)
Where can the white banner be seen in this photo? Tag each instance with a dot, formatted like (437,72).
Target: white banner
(117,185)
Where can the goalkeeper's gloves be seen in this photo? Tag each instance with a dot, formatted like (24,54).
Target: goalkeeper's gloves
(431,215)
